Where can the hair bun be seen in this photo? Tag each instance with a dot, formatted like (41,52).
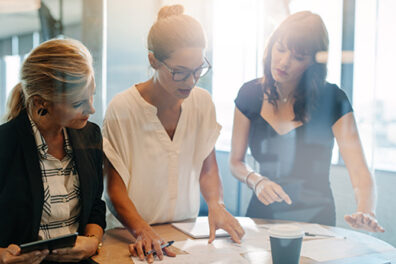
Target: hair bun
(167,11)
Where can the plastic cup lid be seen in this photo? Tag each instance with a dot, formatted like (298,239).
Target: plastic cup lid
(286,231)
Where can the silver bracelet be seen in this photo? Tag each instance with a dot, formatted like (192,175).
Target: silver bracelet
(247,177)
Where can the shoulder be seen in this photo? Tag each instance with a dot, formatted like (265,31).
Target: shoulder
(10,139)
(7,128)
(333,103)
(122,100)
(8,133)
(252,88)
(331,90)
(249,98)
(250,92)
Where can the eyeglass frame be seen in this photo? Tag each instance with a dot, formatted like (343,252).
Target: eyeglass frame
(173,72)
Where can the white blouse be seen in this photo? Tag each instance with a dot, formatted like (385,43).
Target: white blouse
(160,174)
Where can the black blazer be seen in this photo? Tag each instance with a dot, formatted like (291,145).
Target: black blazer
(21,186)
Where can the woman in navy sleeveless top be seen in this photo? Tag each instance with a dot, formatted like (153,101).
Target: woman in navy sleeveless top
(289,119)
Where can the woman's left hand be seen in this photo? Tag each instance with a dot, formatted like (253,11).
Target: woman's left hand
(85,247)
(365,221)
(219,217)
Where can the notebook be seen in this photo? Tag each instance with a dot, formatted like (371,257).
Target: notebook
(198,229)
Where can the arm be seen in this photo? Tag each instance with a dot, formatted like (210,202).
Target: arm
(125,211)
(347,136)
(266,191)
(212,191)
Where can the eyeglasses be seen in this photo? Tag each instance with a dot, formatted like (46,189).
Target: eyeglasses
(179,75)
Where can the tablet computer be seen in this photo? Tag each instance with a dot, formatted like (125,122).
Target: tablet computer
(50,244)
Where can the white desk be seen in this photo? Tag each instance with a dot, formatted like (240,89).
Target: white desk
(115,244)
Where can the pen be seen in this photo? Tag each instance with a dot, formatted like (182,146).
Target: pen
(162,246)
(322,235)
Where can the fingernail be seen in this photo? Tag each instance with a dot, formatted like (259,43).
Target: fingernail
(38,253)
(54,251)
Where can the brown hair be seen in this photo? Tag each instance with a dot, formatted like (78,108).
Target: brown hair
(56,70)
(304,33)
(174,30)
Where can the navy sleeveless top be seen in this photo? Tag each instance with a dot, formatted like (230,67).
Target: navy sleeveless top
(299,160)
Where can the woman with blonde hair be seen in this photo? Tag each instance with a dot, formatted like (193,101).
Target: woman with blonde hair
(159,139)
(289,118)
(51,157)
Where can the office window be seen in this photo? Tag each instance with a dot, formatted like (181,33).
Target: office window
(12,66)
(374,92)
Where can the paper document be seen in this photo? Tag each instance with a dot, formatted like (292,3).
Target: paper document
(316,230)
(198,229)
(200,252)
(332,249)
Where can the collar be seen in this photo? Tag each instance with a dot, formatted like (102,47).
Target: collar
(42,146)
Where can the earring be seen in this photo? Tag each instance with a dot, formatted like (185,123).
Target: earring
(42,111)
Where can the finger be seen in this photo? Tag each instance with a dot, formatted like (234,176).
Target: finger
(262,199)
(282,194)
(375,226)
(169,252)
(351,219)
(21,258)
(40,259)
(366,219)
(64,251)
(35,259)
(132,250)
(150,258)
(359,219)
(147,248)
(380,229)
(239,229)
(158,249)
(212,232)
(14,250)
(139,249)
(24,258)
(233,234)
(372,226)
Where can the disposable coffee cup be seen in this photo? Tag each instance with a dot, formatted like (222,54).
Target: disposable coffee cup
(285,240)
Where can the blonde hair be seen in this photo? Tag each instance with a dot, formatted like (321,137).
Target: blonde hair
(57,71)
(174,30)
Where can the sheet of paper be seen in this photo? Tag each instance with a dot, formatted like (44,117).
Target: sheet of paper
(306,227)
(388,257)
(199,251)
(200,228)
(333,248)
(218,258)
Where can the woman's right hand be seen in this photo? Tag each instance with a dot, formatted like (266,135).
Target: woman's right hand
(12,254)
(146,240)
(269,192)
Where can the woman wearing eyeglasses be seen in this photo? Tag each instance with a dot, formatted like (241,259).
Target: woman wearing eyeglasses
(159,139)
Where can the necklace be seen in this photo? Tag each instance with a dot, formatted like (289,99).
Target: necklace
(282,98)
